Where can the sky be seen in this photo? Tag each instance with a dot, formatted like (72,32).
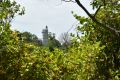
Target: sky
(53,13)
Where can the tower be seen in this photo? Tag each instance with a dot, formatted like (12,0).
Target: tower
(45,36)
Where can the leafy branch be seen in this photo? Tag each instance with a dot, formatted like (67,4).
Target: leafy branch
(108,27)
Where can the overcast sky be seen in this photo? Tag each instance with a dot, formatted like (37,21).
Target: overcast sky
(53,13)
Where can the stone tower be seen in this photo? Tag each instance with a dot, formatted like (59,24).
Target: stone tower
(45,36)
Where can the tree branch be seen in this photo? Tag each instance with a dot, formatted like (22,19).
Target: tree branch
(97,10)
(68,1)
(114,31)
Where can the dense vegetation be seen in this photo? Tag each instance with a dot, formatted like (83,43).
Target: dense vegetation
(93,56)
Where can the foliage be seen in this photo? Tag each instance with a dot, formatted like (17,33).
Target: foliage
(104,26)
(32,38)
(9,42)
(38,63)
(53,42)
(94,56)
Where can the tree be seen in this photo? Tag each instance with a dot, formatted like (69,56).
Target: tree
(29,37)
(98,5)
(103,26)
(9,43)
(95,57)
(52,42)
(65,39)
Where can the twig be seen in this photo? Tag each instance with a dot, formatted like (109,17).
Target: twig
(97,10)
(68,1)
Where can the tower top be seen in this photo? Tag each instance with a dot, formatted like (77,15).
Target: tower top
(45,30)
(46,27)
